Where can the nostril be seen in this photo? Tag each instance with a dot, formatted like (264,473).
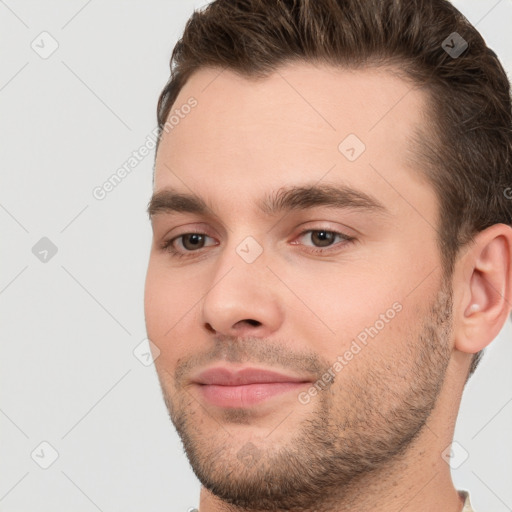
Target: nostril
(249,321)
(252,322)
(209,328)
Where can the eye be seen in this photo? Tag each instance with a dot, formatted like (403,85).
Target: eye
(324,239)
(187,243)
(321,241)
(192,241)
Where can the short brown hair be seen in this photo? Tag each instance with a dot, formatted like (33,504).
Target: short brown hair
(465,146)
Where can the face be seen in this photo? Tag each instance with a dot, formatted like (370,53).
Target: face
(294,287)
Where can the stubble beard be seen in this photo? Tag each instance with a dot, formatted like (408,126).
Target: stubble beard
(361,424)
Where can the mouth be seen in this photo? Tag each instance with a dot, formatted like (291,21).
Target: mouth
(245,387)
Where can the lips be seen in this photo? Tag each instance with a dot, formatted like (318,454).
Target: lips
(222,376)
(244,387)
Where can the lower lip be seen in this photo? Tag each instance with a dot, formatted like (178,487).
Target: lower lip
(246,395)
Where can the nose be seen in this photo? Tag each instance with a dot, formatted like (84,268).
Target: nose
(243,301)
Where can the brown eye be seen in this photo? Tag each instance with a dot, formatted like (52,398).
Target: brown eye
(188,244)
(323,238)
(192,241)
(323,241)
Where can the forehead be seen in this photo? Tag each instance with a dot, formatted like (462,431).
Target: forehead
(294,125)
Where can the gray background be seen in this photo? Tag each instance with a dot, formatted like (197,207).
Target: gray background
(70,323)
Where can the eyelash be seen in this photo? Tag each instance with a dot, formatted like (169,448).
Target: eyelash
(345,239)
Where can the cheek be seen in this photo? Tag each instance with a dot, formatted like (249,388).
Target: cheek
(338,301)
(358,315)
(155,297)
(170,307)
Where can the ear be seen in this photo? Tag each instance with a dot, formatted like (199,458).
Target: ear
(484,285)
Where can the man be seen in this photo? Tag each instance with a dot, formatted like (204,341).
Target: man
(332,248)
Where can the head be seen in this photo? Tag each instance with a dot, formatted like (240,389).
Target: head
(332,204)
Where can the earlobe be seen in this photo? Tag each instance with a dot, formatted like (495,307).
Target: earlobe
(488,283)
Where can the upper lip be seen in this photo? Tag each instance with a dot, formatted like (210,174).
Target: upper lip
(224,376)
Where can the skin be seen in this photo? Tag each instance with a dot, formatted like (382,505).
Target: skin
(296,311)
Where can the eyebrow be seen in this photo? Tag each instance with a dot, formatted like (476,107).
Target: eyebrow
(285,199)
